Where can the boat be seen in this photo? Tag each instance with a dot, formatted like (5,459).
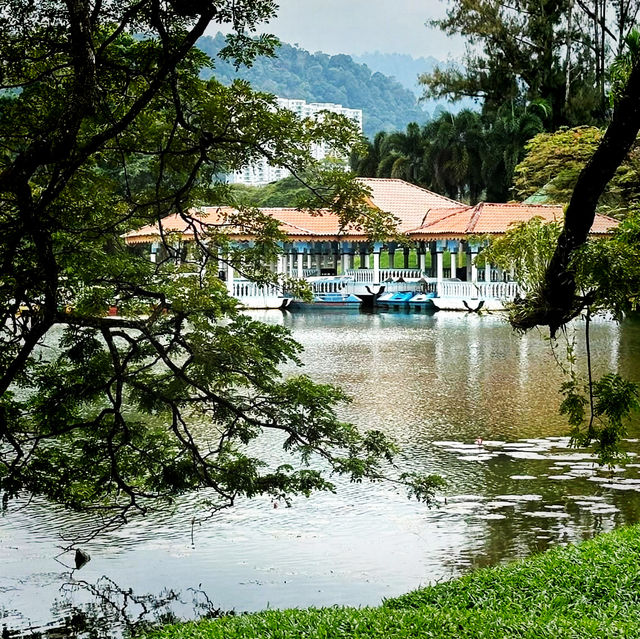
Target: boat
(329,300)
(257,296)
(471,305)
(403,300)
(422,302)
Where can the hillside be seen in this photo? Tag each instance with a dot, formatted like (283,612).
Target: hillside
(318,77)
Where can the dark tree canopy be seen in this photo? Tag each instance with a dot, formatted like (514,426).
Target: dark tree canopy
(556,51)
(106,126)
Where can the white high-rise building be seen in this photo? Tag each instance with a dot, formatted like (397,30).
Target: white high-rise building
(261,172)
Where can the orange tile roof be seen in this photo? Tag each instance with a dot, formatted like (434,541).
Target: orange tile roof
(422,214)
(411,204)
(293,222)
(493,218)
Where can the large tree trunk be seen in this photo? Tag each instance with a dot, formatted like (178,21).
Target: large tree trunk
(558,303)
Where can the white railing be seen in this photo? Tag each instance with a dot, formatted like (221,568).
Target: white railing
(336,285)
(478,290)
(404,273)
(250,289)
(361,275)
(310,272)
(496,275)
(366,274)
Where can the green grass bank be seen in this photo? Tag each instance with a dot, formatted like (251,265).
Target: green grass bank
(580,591)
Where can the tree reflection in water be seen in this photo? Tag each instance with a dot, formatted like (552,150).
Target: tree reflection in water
(111,611)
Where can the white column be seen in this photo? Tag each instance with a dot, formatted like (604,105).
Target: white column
(230,277)
(422,260)
(439,266)
(300,265)
(454,265)
(376,267)
(487,272)
(280,264)
(474,268)
(345,262)
(309,260)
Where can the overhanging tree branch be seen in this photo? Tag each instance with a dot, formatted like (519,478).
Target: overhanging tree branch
(558,303)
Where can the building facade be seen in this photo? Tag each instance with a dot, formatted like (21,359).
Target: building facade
(261,172)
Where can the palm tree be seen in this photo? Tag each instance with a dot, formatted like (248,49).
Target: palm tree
(402,155)
(453,155)
(507,132)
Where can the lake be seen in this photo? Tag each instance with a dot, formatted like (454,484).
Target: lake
(436,383)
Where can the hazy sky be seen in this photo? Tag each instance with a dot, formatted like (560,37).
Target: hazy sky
(356,26)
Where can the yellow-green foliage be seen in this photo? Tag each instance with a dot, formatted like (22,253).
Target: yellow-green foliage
(553,162)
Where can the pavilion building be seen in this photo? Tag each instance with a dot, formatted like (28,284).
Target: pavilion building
(441,230)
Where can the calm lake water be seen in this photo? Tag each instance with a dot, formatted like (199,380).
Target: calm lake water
(436,383)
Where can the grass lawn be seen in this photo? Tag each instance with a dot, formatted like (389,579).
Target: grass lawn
(580,591)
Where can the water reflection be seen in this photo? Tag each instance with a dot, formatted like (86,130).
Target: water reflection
(436,383)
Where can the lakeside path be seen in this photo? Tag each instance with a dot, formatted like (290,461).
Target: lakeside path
(591,589)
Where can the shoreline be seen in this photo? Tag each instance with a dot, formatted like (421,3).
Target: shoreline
(590,589)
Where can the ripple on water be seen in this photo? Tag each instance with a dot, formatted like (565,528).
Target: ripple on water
(518,498)
(547,514)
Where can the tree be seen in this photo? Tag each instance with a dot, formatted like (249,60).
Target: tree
(585,277)
(553,161)
(507,135)
(366,161)
(559,299)
(525,50)
(106,126)
(453,154)
(404,152)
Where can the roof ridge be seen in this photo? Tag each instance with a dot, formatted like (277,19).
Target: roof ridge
(415,186)
(525,204)
(453,213)
(475,216)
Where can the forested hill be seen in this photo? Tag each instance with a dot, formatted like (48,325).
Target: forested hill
(318,77)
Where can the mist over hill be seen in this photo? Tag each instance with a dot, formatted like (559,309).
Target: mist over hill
(400,66)
(319,77)
(406,69)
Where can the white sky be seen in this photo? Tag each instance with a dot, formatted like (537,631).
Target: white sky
(359,26)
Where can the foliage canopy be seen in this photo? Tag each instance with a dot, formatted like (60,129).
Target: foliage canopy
(552,164)
(106,125)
